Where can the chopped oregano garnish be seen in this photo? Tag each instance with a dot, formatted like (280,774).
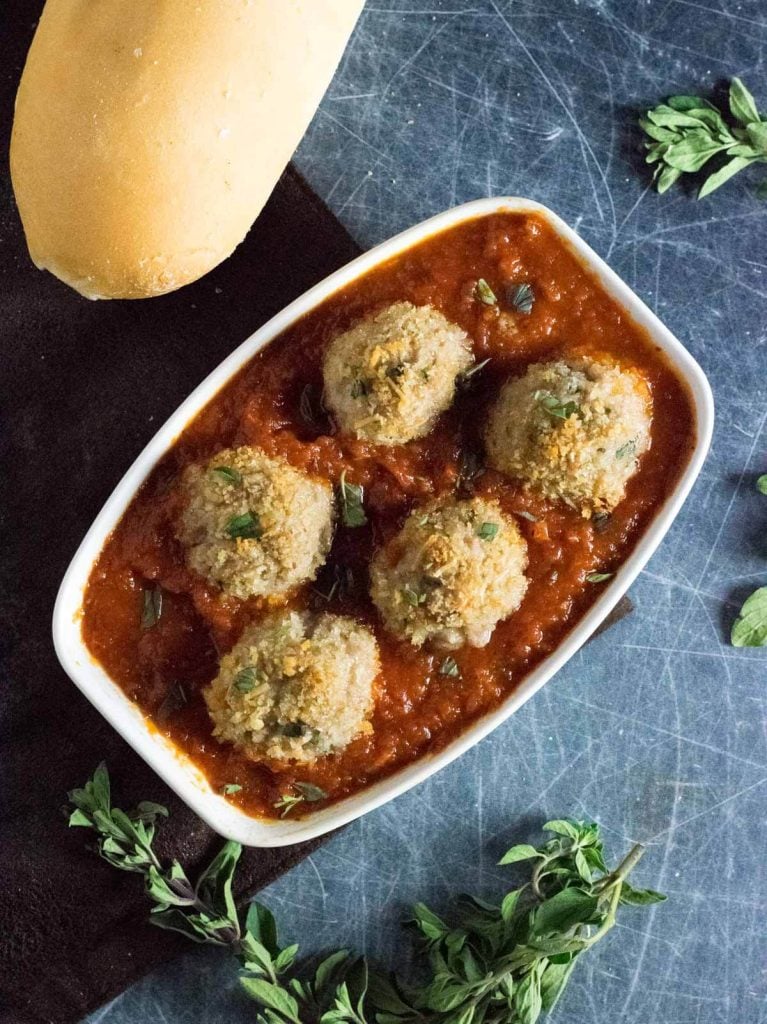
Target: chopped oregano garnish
(310,792)
(413,597)
(522,297)
(599,577)
(247,679)
(553,406)
(305,791)
(286,803)
(449,667)
(247,526)
(231,476)
(467,377)
(173,702)
(335,581)
(328,595)
(351,497)
(306,405)
(293,730)
(151,607)
(629,448)
(600,521)
(231,787)
(470,467)
(487,531)
(485,293)
(346,579)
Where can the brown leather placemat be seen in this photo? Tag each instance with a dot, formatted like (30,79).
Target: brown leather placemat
(83,387)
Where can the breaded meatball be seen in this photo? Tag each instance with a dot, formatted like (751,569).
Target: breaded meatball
(295,687)
(252,524)
(455,569)
(390,376)
(572,430)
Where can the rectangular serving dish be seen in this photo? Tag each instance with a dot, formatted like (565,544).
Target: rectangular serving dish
(172,764)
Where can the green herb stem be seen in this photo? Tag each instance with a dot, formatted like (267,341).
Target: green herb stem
(623,870)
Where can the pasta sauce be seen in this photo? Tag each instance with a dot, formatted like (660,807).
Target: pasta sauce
(274,403)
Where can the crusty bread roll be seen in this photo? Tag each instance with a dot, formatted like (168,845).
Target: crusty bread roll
(149,133)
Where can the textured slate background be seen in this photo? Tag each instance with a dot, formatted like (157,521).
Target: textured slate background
(658,729)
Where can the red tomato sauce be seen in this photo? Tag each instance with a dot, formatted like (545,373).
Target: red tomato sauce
(165,668)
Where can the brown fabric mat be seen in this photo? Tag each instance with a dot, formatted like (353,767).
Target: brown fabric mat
(84,387)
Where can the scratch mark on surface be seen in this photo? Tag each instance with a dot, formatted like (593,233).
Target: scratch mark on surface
(709,810)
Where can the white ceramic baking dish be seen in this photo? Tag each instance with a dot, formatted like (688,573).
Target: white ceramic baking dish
(172,764)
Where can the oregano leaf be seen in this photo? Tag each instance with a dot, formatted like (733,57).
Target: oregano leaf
(523,851)
(563,827)
(750,627)
(527,997)
(742,103)
(639,897)
(757,135)
(272,996)
(723,175)
(260,923)
(562,911)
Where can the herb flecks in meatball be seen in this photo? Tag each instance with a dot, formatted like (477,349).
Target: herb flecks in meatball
(451,574)
(573,431)
(297,686)
(254,525)
(389,377)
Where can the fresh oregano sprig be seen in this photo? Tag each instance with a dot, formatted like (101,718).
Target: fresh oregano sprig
(511,961)
(686,132)
(204,912)
(496,963)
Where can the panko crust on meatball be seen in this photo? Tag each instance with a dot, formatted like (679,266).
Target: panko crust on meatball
(455,569)
(572,430)
(252,524)
(390,376)
(297,686)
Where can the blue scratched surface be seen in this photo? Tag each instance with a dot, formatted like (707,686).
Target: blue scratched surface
(659,729)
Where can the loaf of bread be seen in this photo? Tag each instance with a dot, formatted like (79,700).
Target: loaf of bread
(149,133)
